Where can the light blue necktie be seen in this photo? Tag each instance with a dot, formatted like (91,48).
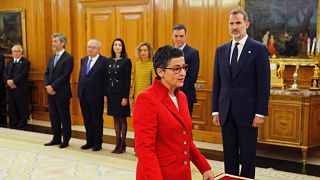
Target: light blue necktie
(56,58)
(88,66)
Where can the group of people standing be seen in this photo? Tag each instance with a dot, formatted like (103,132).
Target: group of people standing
(99,76)
(162,113)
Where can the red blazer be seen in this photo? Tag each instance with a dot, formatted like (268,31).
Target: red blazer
(163,142)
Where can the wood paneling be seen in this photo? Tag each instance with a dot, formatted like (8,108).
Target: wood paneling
(133,26)
(100,25)
(134,21)
(293,121)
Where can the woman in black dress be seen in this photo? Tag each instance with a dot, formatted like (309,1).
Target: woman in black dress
(117,91)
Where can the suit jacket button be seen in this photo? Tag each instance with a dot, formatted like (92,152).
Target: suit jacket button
(184,132)
(185,162)
(185,152)
(184,142)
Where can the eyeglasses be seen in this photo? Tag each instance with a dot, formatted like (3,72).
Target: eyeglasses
(177,69)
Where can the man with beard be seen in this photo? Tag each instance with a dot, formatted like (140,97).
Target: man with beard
(57,84)
(240,95)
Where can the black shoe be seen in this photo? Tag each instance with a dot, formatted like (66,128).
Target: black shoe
(86,146)
(22,127)
(97,148)
(64,145)
(51,143)
(3,125)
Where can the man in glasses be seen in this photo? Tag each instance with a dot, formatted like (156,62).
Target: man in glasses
(191,57)
(240,95)
(16,76)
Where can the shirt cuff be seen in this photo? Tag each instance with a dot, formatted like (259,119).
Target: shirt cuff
(259,115)
(215,113)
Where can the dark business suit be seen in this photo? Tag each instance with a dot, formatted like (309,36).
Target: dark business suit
(3,117)
(91,96)
(59,78)
(238,96)
(18,98)
(191,57)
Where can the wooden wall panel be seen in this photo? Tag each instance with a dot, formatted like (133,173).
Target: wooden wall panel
(101,26)
(315,123)
(163,22)
(194,14)
(132,26)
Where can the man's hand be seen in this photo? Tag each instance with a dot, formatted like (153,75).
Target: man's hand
(11,84)
(216,120)
(50,90)
(257,121)
(208,175)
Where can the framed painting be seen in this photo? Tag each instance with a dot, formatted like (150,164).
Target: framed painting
(12,30)
(289,28)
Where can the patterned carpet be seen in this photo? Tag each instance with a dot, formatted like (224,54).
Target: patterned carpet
(23,156)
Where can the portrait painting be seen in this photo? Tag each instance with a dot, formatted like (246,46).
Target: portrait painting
(12,30)
(287,27)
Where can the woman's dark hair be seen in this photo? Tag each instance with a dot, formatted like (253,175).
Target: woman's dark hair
(123,52)
(163,56)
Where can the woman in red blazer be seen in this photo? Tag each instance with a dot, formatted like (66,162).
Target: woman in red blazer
(163,126)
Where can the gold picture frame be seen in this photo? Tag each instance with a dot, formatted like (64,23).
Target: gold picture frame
(310,59)
(12,30)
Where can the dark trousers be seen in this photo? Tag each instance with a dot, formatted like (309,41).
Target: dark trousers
(3,104)
(190,106)
(92,112)
(239,147)
(60,115)
(18,109)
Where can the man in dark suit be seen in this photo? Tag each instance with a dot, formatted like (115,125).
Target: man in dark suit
(57,84)
(91,94)
(16,76)
(3,116)
(240,95)
(191,57)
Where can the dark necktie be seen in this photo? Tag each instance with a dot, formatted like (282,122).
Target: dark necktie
(234,58)
(88,66)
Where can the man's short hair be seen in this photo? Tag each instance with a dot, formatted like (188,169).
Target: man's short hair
(163,56)
(95,42)
(61,37)
(18,47)
(179,27)
(240,11)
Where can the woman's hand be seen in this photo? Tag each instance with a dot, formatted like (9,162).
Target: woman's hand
(208,175)
(124,101)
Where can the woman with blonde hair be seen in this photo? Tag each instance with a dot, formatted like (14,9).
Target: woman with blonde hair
(143,70)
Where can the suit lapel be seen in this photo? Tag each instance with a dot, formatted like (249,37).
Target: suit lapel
(226,60)
(61,58)
(243,57)
(185,52)
(94,66)
(173,109)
